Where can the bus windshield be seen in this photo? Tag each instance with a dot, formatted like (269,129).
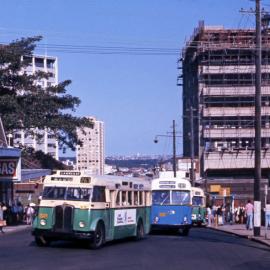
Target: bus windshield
(70,193)
(78,194)
(161,197)
(197,201)
(180,197)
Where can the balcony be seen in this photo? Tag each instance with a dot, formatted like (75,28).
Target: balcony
(233,111)
(241,159)
(225,69)
(216,133)
(233,91)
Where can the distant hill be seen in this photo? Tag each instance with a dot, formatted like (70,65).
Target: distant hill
(133,163)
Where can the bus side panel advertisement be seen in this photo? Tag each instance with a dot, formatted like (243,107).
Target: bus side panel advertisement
(124,217)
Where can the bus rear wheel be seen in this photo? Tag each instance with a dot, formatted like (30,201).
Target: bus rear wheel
(140,231)
(99,237)
(41,241)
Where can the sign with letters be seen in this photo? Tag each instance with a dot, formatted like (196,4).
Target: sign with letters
(8,168)
(124,217)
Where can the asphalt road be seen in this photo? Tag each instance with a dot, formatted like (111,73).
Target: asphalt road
(202,249)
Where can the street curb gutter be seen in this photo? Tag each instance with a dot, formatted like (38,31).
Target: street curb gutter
(252,238)
(11,230)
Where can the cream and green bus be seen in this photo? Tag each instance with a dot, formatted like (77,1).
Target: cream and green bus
(78,205)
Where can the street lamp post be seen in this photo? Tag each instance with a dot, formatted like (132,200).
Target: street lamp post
(174,147)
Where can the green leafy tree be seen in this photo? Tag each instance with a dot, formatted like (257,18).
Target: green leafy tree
(26,105)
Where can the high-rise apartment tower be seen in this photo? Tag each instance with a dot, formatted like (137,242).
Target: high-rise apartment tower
(90,156)
(48,144)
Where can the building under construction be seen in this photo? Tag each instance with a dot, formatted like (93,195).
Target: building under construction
(218,78)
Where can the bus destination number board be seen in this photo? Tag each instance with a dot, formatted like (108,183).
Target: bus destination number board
(66,179)
(70,173)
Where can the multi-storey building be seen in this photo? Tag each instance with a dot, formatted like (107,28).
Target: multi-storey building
(48,144)
(90,156)
(218,76)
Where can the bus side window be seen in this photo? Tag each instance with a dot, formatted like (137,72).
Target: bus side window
(136,202)
(118,198)
(99,194)
(141,198)
(124,198)
(148,198)
(112,198)
(130,198)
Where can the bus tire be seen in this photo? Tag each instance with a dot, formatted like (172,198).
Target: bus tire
(140,230)
(98,237)
(41,241)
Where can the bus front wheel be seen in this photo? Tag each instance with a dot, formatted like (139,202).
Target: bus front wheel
(140,231)
(41,241)
(98,237)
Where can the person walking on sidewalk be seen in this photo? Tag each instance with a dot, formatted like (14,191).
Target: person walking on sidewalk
(209,215)
(30,215)
(2,221)
(249,213)
(267,216)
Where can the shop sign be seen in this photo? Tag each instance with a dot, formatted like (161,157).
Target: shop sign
(215,188)
(8,168)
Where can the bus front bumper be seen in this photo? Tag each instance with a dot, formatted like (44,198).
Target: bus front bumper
(58,235)
(170,227)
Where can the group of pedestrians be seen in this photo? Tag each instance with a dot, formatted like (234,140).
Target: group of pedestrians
(216,215)
(219,215)
(15,214)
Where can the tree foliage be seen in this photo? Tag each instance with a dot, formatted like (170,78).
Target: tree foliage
(24,104)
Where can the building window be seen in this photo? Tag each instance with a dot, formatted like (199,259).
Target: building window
(39,62)
(50,63)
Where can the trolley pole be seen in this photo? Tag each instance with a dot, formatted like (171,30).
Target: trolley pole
(257,180)
(192,174)
(174,150)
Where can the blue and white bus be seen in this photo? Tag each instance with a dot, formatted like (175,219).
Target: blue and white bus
(171,204)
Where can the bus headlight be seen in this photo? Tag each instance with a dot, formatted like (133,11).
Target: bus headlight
(43,222)
(156,219)
(81,224)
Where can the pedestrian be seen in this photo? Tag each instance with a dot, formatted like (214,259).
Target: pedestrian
(267,216)
(249,213)
(29,215)
(2,221)
(219,215)
(214,215)
(241,214)
(209,215)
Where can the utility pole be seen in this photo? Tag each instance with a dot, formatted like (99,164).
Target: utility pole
(192,174)
(173,136)
(257,180)
(174,150)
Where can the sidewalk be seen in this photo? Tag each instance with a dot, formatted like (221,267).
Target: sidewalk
(15,228)
(240,230)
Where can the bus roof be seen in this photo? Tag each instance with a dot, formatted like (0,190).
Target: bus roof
(85,178)
(170,183)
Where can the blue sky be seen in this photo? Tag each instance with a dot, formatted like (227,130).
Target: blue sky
(136,96)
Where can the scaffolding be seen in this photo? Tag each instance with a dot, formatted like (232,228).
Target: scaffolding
(218,68)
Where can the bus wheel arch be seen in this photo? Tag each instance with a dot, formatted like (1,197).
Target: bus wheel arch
(98,235)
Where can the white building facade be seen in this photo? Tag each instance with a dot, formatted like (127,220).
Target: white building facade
(91,155)
(48,143)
